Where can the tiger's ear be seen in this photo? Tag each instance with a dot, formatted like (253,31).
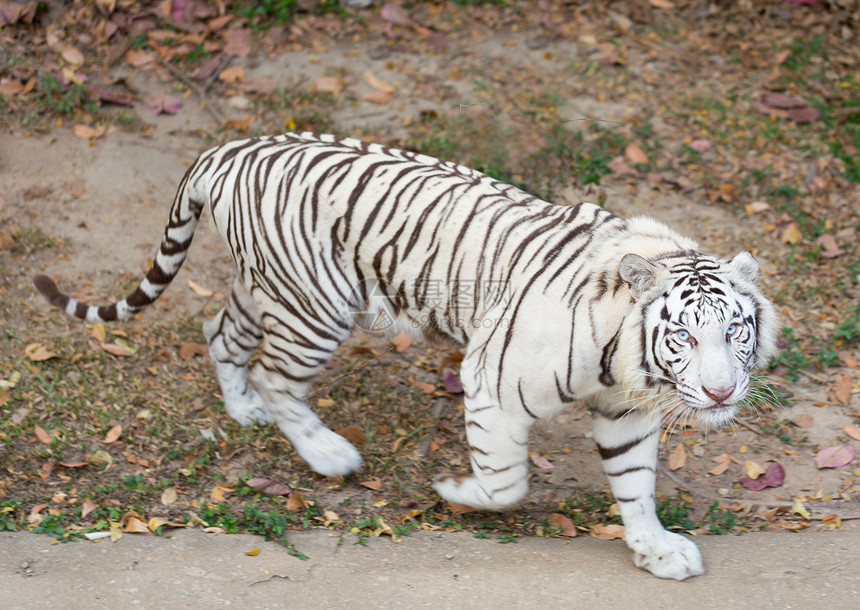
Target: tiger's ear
(746,265)
(640,273)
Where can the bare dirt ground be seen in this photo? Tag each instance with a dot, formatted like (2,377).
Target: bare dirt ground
(90,211)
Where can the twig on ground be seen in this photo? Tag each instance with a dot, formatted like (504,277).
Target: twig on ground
(200,91)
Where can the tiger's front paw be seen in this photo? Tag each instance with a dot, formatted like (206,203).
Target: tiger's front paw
(671,556)
(470,491)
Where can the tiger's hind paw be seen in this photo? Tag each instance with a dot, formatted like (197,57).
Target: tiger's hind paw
(327,452)
(673,557)
(248,409)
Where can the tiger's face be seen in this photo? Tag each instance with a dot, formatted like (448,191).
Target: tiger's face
(706,327)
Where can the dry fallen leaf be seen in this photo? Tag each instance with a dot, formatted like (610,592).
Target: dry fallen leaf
(113,435)
(189,350)
(253,552)
(353,434)
(635,154)
(723,462)
(37,352)
(328,84)
(834,457)
(560,522)
(119,348)
(804,420)
(169,495)
(237,42)
(754,470)
(42,435)
(199,290)
(791,234)
(774,476)
(296,501)
(232,74)
(607,532)
(374,485)
(72,56)
(540,461)
(85,132)
(378,83)
(325,402)
(98,332)
(842,388)
(87,507)
(269,487)
(678,457)
(852,432)
(754,207)
(377,97)
(460,509)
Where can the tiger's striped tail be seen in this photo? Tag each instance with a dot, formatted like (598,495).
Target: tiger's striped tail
(184,214)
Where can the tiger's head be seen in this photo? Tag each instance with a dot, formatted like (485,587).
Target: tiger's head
(703,326)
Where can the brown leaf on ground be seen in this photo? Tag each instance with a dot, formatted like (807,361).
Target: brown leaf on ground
(169,495)
(635,154)
(237,42)
(560,522)
(8,88)
(296,502)
(374,485)
(42,435)
(852,432)
(460,509)
(540,461)
(133,523)
(678,457)
(842,388)
(377,97)
(607,532)
(138,59)
(378,83)
(189,350)
(723,462)
(328,84)
(804,420)
(113,435)
(117,349)
(87,506)
(36,352)
(270,487)
(232,74)
(353,434)
(829,248)
(753,469)
(834,457)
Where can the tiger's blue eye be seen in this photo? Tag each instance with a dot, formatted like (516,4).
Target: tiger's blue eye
(683,335)
(731,329)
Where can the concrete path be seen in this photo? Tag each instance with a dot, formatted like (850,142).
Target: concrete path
(192,569)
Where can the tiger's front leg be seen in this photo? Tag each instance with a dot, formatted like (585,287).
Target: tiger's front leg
(498,450)
(628,448)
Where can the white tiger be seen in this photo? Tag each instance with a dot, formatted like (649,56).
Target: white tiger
(552,304)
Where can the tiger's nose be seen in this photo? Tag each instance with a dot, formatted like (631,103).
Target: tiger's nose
(718,394)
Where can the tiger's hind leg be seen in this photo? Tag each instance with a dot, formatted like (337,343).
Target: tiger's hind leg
(298,339)
(233,335)
(628,448)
